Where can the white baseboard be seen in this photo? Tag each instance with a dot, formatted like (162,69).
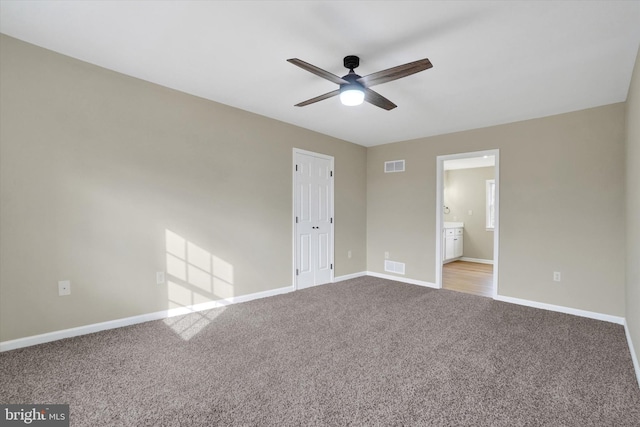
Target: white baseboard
(127,321)
(478,260)
(634,357)
(535,304)
(402,279)
(562,309)
(349,276)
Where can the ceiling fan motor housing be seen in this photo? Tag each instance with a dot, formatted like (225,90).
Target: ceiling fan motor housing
(353,84)
(352,93)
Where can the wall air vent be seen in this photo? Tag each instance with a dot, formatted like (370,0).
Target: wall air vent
(394,166)
(394,267)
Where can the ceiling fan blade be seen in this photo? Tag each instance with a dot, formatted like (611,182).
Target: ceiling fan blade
(317,71)
(378,100)
(395,73)
(319,98)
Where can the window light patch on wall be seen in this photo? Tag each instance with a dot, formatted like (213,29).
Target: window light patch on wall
(394,166)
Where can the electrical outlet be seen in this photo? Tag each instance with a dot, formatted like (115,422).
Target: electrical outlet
(386,255)
(160,277)
(64,288)
(556,276)
(348,254)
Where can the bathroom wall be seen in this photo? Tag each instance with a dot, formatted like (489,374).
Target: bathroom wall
(465,196)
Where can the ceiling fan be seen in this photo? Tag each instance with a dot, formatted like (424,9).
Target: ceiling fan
(354,89)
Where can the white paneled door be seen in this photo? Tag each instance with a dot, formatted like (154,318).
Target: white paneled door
(313,211)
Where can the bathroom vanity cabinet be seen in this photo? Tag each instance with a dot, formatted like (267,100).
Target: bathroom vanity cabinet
(452,241)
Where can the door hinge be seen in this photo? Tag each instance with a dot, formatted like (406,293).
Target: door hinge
(332,266)
(331,173)
(296,168)
(297,272)
(296,220)
(331,220)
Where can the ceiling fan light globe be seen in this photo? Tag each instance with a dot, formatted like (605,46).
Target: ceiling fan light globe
(352,97)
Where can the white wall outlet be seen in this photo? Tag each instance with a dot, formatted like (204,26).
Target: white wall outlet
(160,278)
(556,276)
(386,255)
(348,254)
(64,288)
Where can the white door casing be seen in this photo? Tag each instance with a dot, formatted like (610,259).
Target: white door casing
(313,219)
(441,244)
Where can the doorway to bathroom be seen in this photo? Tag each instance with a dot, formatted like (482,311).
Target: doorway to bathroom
(467,222)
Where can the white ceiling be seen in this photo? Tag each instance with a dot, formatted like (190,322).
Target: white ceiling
(494,62)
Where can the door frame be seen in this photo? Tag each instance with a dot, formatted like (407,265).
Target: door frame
(294,276)
(440,218)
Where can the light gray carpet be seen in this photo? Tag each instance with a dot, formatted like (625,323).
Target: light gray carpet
(362,352)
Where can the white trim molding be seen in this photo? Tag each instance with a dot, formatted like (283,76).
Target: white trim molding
(440,215)
(634,358)
(349,276)
(402,279)
(478,260)
(562,309)
(127,321)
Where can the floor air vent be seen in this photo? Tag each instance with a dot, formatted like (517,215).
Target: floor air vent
(394,267)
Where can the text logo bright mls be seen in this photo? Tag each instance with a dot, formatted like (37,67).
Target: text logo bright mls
(35,415)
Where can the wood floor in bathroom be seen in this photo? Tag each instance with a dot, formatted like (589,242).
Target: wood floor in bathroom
(469,277)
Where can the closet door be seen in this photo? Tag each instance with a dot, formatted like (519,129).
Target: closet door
(313,206)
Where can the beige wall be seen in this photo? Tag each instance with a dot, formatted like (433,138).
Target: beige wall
(633,208)
(464,191)
(97,166)
(561,206)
